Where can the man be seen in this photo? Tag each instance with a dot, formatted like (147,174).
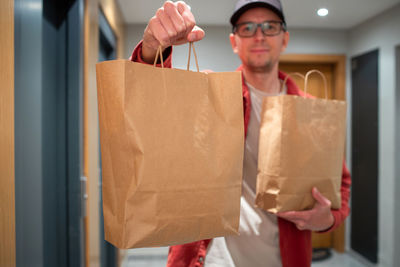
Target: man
(259,37)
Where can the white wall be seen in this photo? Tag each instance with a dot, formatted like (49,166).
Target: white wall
(383,33)
(316,41)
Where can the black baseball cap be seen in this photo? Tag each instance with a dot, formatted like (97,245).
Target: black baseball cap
(244,5)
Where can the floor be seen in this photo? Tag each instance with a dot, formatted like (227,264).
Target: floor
(146,257)
(342,260)
(157,257)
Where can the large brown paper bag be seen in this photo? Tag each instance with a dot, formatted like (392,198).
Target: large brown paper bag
(301,146)
(172,152)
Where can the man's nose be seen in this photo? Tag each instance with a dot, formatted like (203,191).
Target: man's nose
(259,35)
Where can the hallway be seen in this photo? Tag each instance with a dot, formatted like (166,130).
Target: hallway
(157,257)
(51,171)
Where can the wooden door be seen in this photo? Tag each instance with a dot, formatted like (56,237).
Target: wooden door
(333,69)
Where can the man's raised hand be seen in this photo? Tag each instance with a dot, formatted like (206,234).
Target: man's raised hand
(173,24)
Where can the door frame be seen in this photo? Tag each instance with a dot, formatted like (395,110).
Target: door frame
(107,39)
(338,63)
(7,169)
(397,184)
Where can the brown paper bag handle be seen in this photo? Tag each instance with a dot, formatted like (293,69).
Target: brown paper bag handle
(160,55)
(289,75)
(191,46)
(323,78)
(306,80)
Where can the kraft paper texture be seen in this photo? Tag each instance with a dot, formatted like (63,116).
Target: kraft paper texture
(172,151)
(301,145)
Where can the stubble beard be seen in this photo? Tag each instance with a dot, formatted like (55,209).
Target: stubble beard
(257,67)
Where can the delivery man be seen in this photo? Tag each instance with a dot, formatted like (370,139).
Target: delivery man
(259,36)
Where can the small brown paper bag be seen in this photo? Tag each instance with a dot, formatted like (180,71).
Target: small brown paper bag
(301,145)
(172,152)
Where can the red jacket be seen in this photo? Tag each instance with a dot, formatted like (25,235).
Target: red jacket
(295,245)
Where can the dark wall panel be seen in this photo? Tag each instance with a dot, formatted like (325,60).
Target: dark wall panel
(364,200)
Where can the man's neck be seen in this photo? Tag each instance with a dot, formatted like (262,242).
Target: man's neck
(264,81)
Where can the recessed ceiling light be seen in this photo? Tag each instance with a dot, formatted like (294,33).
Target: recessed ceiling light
(322,12)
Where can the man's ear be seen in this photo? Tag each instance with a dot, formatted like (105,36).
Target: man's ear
(233,43)
(285,41)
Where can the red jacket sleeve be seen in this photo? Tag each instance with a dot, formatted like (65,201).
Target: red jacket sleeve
(341,214)
(137,56)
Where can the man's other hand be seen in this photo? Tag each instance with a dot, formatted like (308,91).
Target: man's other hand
(173,24)
(319,218)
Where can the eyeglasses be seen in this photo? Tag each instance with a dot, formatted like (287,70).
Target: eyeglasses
(268,28)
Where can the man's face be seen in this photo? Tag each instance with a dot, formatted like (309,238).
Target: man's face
(259,53)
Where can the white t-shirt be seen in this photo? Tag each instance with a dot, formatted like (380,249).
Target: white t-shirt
(258,242)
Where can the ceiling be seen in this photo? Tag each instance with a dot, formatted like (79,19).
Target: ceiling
(343,14)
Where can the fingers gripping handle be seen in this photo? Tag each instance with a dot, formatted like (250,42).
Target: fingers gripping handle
(159,54)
